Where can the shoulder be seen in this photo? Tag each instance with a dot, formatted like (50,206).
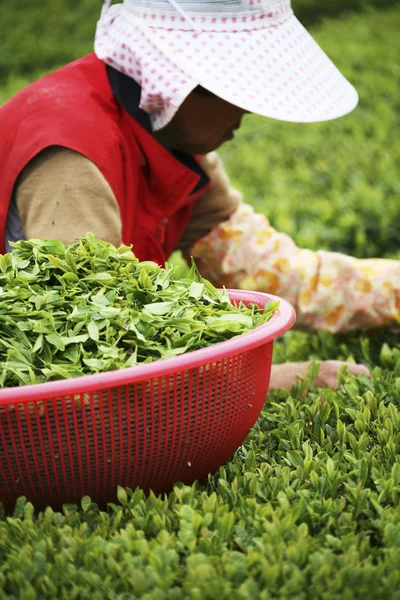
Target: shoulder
(74,97)
(73,107)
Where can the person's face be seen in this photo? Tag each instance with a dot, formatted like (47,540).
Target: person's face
(202,123)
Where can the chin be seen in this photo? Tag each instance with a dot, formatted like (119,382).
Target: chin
(200,148)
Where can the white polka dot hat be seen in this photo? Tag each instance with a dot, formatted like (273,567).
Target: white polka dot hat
(252,53)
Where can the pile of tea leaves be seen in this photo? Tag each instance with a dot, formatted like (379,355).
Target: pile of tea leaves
(89,307)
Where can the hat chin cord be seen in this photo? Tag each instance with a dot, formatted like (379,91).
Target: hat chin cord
(183,14)
(179,9)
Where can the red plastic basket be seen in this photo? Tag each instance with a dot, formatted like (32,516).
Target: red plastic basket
(150,425)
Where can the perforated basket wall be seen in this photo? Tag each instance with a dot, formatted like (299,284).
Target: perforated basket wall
(147,426)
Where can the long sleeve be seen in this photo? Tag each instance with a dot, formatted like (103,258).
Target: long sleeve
(328,290)
(62,194)
(215,206)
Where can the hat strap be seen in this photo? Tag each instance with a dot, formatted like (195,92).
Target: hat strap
(179,9)
(106,6)
(183,14)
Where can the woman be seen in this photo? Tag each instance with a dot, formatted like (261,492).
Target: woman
(121,143)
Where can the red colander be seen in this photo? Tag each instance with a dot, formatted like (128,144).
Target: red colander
(150,425)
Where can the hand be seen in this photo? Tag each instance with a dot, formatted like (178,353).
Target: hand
(285,375)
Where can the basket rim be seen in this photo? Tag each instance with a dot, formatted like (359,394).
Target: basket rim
(276,326)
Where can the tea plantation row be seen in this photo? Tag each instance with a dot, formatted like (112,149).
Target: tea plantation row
(39,34)
(309,507)
(334,185)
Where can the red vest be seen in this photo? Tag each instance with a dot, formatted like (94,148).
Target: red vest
(74,107)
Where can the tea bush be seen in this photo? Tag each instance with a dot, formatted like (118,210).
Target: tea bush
(309,506)
(312,11)
(38,35)
(330,185)
(334,185)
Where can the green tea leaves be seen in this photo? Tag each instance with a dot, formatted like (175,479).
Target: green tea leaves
(55,340)
(158,308)
(93,331)
(87,308)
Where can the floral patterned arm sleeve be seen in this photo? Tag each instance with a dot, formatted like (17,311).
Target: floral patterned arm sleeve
(328,290)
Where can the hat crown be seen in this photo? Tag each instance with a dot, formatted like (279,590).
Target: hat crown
(253,54)
(210,6)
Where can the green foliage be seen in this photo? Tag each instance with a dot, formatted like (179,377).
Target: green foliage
(311,11)
(330,185)
(309,507)
(38,35)
(334,185)
(67,311)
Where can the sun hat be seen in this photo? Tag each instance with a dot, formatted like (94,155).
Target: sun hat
(254,54)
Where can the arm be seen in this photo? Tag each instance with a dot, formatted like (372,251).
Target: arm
(328,290)
(213,207)
(62,194)
(285,375)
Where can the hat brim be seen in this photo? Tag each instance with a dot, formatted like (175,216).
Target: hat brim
(278,72)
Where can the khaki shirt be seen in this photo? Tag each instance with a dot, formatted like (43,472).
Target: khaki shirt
(62,194)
